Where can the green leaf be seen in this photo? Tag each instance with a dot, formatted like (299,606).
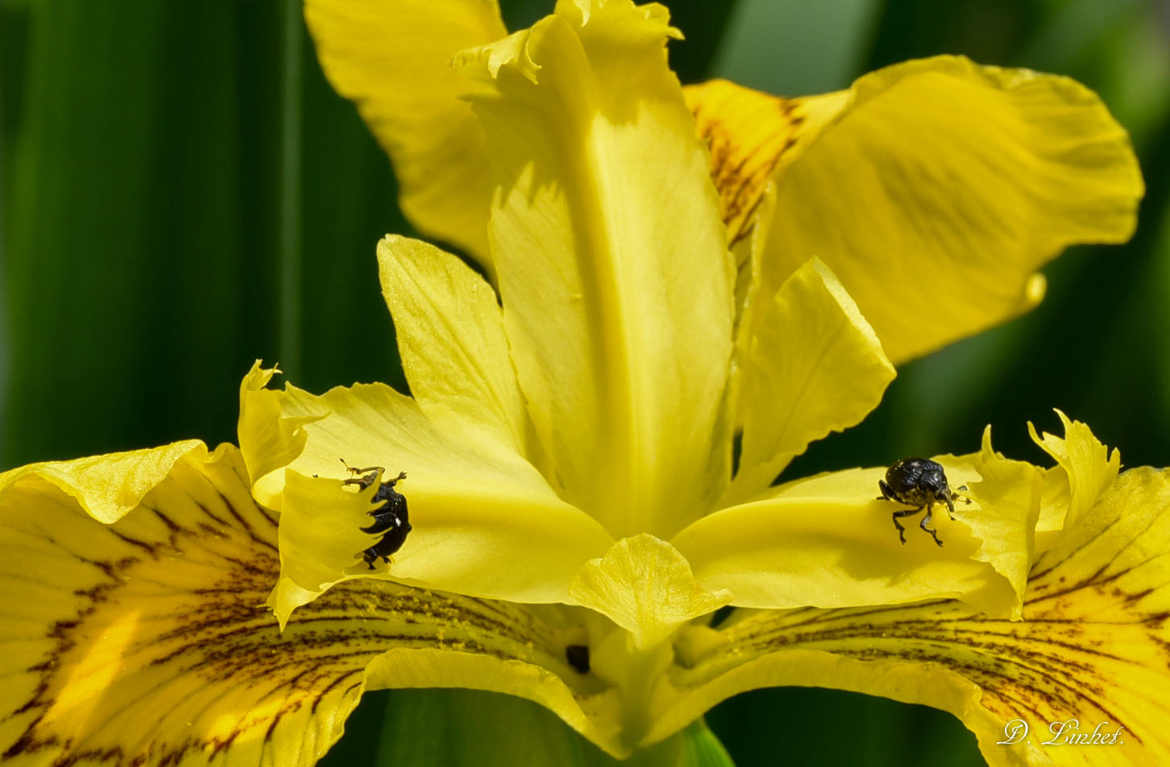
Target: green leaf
(464,728)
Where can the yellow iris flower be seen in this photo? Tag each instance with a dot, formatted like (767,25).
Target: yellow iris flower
(568,443)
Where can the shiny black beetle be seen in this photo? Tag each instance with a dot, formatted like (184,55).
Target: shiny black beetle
(921,483)
(390,518)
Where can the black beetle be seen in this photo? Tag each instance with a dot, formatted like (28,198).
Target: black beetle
(391,518)
(918,482)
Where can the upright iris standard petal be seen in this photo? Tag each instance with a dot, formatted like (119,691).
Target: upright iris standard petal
(393,57)
(813,365)
(611,260)
(484,520)
(1089,654)
(934,189)
(146,641)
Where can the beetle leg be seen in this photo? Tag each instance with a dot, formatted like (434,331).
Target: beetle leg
(950,507)
(931,530)
(382,522)
(897,524)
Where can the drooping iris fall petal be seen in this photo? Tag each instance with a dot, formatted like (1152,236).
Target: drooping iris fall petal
(827,541)
(146,641)
(1091,645)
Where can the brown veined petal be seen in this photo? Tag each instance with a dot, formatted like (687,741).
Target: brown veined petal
(750,136)
(933,189)
(393,58)
(1093,646)
(147,641)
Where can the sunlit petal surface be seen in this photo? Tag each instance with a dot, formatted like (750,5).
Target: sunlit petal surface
(485,522)
(147,641)
(1092,645)
(827,541)
(612,265)
(811,366)
(933,189)
(451,340)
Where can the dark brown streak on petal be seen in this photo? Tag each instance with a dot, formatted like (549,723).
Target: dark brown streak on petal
(180,606)
(1095,617)
(740,170)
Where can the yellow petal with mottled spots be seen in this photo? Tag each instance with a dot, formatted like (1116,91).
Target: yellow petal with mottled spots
(828,541)
(393,59)
(485,522)
(611,261)
(934,189)
(147,641)
(1092,648)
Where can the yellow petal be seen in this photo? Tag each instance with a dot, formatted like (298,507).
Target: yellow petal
(1085,469)
(813,366)
(104,486)
(485,521)
(393,58)
(938,187)
(451,339)
(645,586)
(270,429)
(1091,647)
(146,641)
(611,259)
(825,541)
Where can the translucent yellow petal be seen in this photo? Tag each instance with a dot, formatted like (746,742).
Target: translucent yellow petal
(645,586)
(393,58)
(270,429)
(1092,647)
(1085,469)
(485,521)
(451,339)
(147,642)
(825,541)
(750,136)
(812,366)
(104,486)
(933,189)
(611,260)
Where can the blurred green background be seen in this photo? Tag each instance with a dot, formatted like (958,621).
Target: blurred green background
(182,193)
